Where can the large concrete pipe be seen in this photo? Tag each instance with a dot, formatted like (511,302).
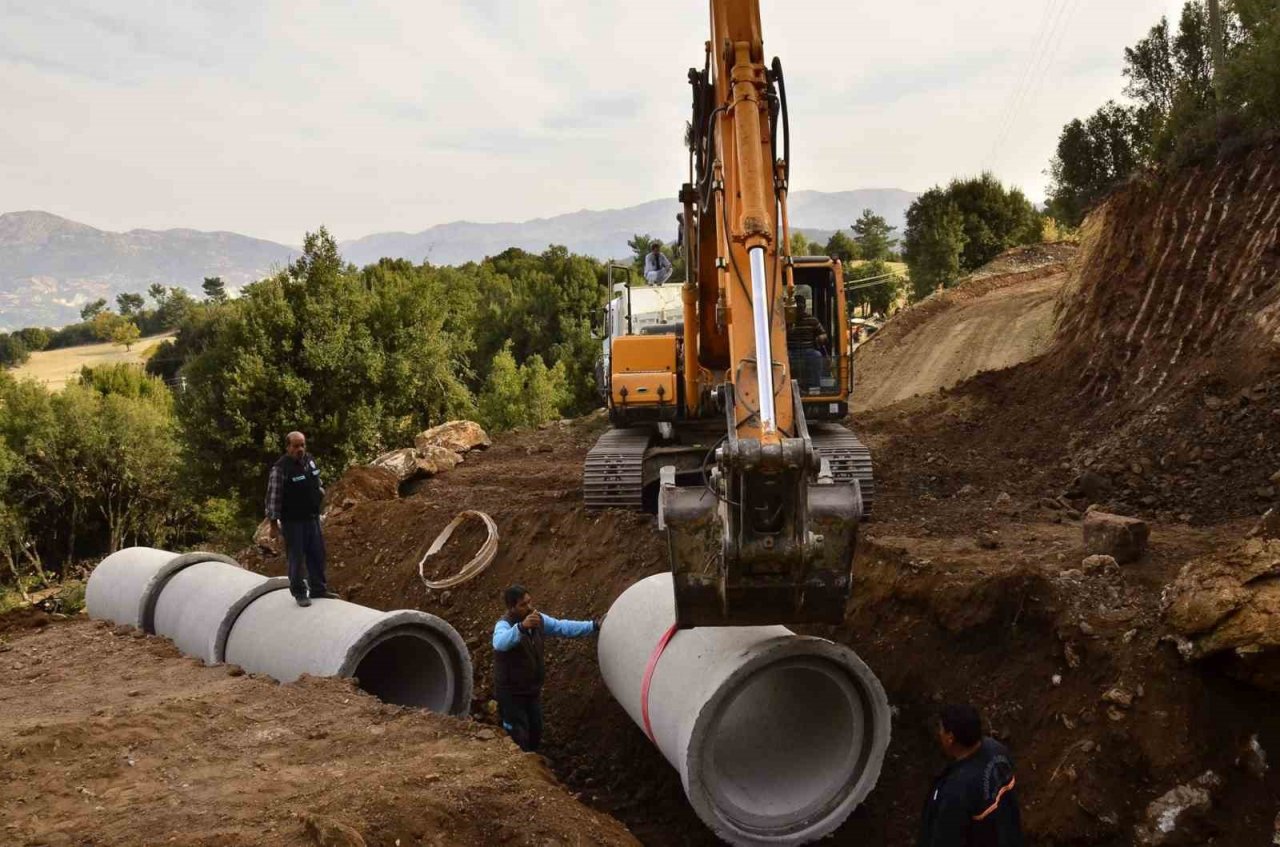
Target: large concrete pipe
(777,736)
(124,586)
(405,657)
(200,603)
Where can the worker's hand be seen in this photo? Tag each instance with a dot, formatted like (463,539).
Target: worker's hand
(599,623)
(533,621)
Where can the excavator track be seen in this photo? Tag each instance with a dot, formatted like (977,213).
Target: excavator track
(849,458)
(612,476)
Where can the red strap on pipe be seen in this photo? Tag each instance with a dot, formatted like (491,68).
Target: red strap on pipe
(648,678)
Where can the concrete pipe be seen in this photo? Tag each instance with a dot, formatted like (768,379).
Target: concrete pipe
(124,586)
(409,658)
(777,736)
(200,603)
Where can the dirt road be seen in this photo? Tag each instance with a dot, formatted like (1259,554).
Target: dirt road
(987,323)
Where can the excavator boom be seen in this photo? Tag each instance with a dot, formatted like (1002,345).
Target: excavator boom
(761,518)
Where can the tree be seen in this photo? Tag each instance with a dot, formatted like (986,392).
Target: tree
(215,289)
(125,333)
(879,297)
(360,362)
(800,245)
(842,247)
(12,351)
(92,310)
(158,293)
(933,242)
(1092,158)
(873,235)
(995,219)
(105,325)
(130,304)
(527,395)
(34,338)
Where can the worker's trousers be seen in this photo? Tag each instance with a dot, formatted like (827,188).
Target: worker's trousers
(522,719)
(304,547)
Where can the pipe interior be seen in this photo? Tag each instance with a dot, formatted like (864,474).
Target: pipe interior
(787,746)
(407,668)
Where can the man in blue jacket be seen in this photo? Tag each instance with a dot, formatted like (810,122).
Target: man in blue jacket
(973,802)
(518,664)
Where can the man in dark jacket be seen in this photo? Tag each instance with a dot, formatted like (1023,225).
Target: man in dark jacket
(973,802)
(294,494)
(518,664)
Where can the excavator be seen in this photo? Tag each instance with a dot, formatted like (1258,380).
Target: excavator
(724,410)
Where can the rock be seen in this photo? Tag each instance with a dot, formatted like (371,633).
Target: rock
(1118,696)
(1275,478)
(1090,485)
(360,484)
(1268,526)
(1264,492)
(1004,503)
(456,436)
(987,539)
(1056,680)
(486,735)
(1172,818)
(325,831)
(1253,759)
(1098,562)
(1051,503)
(1212,403)
(263,541)
(412,462)
(1230,604)
(1123,539)
(966,490)
(403,462)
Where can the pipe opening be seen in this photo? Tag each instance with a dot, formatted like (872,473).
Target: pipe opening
(787,747)
(406,667)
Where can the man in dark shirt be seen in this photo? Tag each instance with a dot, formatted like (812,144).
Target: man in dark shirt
(804,337)
(294,494)
(519,666)
(973,802)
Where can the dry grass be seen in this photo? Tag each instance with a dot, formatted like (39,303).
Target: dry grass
(54,368)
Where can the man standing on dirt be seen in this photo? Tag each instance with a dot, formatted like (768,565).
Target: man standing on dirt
(294,494)
(973,802)
(519,667)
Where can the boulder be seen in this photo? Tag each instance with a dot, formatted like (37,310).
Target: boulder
(1230,604)
(411,462)
(1090,485)
(458,436)
(403,462)
(1123,539)
(1175,817)
(264,542)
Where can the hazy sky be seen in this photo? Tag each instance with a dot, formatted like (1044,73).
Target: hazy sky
(270,118)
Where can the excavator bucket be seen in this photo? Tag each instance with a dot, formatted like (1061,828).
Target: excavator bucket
(769,539)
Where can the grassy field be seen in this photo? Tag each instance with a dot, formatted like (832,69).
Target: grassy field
(54,368)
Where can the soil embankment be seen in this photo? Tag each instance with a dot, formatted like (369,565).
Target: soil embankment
(111,739)
(998,317)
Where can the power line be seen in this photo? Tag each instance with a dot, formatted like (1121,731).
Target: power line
(1015,94)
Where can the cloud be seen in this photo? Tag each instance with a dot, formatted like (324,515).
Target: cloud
(271,118)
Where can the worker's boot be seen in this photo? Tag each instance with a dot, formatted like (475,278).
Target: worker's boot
(303,601)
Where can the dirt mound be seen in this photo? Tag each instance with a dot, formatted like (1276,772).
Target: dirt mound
(121,740)
(361,484)
(998,317)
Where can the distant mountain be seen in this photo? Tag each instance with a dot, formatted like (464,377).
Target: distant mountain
(50,266)
(604,234)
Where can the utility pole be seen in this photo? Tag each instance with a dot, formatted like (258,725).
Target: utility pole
(1216,47)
